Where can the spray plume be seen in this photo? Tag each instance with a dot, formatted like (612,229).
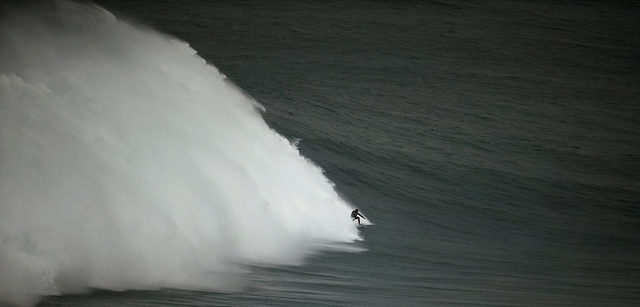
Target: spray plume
(128,162)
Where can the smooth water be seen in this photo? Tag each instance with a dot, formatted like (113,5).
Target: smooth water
(492,144)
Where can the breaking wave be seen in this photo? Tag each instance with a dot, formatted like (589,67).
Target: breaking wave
(128,162)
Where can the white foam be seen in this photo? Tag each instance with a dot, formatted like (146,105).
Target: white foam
(128,162)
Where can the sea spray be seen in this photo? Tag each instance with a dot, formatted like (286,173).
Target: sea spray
(128,162)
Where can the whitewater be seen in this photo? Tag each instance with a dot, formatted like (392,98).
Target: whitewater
(129,162)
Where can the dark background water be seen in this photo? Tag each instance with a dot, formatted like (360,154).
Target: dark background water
(493,144)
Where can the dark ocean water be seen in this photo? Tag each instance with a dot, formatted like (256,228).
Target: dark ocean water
(493,144)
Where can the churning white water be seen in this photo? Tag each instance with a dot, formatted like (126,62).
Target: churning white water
(128,162)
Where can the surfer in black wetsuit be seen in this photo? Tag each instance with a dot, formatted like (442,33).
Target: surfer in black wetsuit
(355,214)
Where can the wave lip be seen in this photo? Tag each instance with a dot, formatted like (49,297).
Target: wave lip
(128,162)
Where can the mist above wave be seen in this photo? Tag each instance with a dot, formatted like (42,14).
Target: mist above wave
(128,162)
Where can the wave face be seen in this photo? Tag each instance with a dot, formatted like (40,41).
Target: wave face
(128,162)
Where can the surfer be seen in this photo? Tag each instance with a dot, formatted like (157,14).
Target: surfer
(355,214)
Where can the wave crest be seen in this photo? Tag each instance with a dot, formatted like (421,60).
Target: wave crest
(128,162)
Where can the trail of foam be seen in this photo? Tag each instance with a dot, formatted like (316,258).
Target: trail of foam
(128,162)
